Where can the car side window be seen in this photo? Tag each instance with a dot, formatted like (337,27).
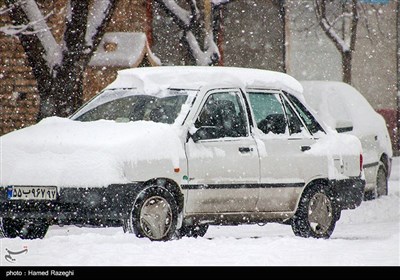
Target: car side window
(295,125)
(312,125)
(222,115)
(268,112)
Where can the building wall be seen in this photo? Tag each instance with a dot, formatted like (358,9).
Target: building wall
(129,16)
(254,35)
(18,94)
(312,56)
(19,99)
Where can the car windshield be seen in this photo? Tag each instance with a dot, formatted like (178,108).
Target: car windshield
(124,105)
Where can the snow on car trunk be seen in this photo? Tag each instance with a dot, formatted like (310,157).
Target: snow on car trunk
(68,153)
(340,151)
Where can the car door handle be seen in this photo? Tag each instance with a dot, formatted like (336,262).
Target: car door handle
(245,150)
(305,148)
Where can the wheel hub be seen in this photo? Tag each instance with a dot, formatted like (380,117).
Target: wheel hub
(320,214)
(156,217)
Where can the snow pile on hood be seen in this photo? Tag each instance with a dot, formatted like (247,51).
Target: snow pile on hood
(154,79)
(68,153)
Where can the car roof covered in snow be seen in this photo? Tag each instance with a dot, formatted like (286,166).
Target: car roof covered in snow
(154,79)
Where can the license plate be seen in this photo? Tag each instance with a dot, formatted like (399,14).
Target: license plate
(32,193)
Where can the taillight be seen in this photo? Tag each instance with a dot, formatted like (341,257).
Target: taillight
(361,162)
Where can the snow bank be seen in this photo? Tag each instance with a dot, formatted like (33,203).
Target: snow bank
(67,153)
(154,79)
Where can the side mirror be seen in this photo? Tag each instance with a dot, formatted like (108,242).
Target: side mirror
(195,136)
(204,133)
(344,126)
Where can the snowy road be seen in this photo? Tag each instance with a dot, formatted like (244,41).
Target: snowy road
(369,235)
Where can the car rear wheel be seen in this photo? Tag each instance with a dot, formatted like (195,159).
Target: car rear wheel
(381,181)
(316,214)
(381,187)
(154,214)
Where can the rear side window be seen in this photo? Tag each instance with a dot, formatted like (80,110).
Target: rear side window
(312,125)
(295,125)
(268,112)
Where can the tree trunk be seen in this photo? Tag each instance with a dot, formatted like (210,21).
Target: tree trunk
(61,87)
(347,57)
(63,96)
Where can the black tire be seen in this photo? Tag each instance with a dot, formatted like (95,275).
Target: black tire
(307,222)
(381,181)
(193,230)
(369,195)
(381,184)
(36,229)
(10,228)
(154,214)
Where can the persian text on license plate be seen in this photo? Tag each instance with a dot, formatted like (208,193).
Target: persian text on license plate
(31,192)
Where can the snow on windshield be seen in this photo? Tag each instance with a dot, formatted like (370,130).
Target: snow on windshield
(125,105)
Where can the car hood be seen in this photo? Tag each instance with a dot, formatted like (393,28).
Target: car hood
(63,152)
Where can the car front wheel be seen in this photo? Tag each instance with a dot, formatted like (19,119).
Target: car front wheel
(34,229)
(10,228)
(154,214)
(316,214)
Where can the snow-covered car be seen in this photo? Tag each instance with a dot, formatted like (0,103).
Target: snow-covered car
(166,151)
(344,108)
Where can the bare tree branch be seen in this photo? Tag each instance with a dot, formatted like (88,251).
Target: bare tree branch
(354,25)
(7,9)
(26,29)
(327,26)
(188,21)
(52,49)
(59,67)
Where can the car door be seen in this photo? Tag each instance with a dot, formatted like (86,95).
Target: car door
(285,165)
(223,162)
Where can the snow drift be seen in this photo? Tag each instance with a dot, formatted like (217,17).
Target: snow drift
(67,153)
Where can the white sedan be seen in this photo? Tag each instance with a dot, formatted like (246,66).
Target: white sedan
(343,107)
(166,151)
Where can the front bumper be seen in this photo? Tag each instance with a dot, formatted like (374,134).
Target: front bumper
(75,205)
(349,193)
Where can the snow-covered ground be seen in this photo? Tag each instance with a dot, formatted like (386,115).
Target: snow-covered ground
(369,235)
